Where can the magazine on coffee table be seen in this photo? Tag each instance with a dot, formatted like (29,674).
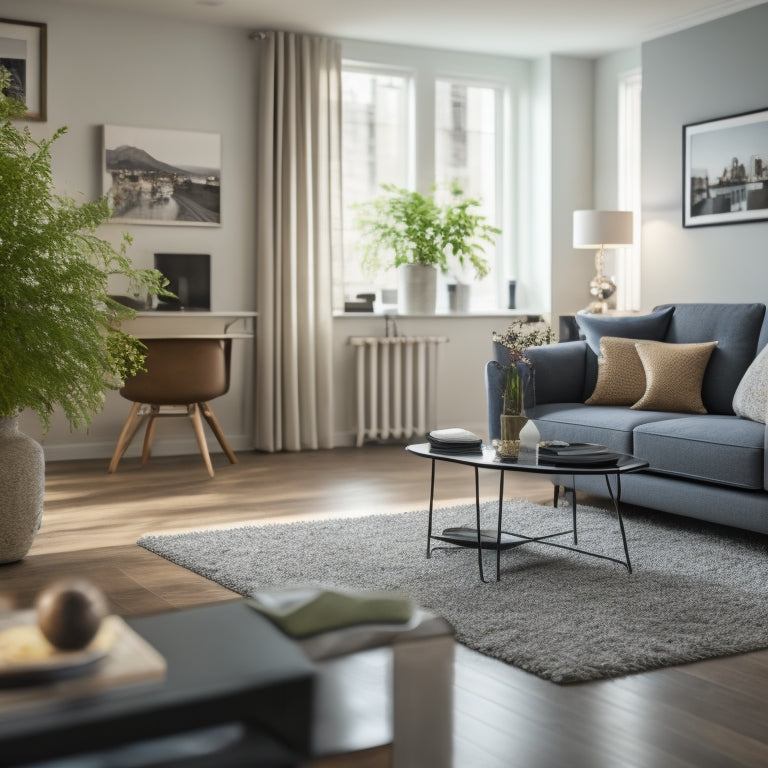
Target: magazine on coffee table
(560,452)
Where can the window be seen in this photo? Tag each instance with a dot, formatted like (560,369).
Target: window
(628,259)
(456,134)
(376,150)
(467,151)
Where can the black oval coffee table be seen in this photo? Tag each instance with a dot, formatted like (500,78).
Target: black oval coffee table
(499,540)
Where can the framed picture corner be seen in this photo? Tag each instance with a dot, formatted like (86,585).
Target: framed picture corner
(24,54)
(725,170)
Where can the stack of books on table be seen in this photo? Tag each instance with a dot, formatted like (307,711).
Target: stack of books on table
(575,454)
(454,441)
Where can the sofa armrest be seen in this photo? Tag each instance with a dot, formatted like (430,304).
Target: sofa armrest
(559,372)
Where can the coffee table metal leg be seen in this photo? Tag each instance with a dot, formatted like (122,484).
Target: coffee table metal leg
(479,531)
(573,507)
(431,505)
(498,532)
(617,506)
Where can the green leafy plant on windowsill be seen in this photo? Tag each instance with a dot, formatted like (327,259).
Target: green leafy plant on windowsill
(405,227)
(60,338)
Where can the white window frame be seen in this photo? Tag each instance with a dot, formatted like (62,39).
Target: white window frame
(503,216)
(374,68)
(628,260)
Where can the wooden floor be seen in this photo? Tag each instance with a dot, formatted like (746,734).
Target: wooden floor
(713,713)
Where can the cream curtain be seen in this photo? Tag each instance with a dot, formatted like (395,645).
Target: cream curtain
(298,217)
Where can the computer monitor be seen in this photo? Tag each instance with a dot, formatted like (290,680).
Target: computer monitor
(189,278)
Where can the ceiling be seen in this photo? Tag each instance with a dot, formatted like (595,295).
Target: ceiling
(523,28)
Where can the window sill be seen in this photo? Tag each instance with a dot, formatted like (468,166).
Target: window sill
(522,314)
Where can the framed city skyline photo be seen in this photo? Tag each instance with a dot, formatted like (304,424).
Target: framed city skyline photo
(725,170)
(23,53)
(161,176)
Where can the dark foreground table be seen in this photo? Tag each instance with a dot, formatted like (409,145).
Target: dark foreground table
(499,539)
(237,692)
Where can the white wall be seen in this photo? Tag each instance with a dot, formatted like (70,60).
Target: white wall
(608,72)
(106,67)
(563,94)
(710,71)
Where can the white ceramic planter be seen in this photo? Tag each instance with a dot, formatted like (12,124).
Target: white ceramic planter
(417,291)
(22,486)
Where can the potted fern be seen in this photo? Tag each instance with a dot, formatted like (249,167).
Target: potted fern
(415,234)
(60,340)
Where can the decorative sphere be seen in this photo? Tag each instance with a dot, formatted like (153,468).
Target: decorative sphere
(603,288)
(69,613)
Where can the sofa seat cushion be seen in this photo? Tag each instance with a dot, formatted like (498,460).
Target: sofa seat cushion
(604,424)
(718,449)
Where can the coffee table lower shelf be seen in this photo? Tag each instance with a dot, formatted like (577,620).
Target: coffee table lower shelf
(467,537)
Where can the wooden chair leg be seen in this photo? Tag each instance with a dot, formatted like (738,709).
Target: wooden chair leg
(197,423)
(149,435)
(213,423)
(126,435)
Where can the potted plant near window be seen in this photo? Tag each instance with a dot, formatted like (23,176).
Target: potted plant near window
(60,340)
(419,236)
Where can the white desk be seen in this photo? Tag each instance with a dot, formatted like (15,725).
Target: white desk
(158,324)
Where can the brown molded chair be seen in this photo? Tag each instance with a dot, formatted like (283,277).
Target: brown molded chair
(180,372)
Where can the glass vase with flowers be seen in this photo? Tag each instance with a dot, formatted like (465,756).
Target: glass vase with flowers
(513,344)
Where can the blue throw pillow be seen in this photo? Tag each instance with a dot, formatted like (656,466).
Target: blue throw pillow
(652,327)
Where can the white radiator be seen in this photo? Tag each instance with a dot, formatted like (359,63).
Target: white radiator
(396,385)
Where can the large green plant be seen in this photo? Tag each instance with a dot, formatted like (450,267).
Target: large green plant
(406,227)
(60,338)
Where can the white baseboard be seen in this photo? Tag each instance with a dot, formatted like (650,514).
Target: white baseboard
(167,447)
(183,446)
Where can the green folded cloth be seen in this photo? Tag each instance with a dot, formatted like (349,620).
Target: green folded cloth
(304,612)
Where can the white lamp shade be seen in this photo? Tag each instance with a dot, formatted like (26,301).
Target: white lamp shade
(611,229)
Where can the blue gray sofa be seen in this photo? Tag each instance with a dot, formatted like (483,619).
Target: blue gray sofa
(712,466)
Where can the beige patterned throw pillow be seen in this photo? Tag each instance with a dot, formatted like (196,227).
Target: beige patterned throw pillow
(751,398)
(620,374)
(673,375)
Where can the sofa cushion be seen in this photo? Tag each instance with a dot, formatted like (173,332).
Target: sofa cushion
(594,327)
(620,373)
(736,328)
(603,424)
(751,398)
(713,448)
(673,375)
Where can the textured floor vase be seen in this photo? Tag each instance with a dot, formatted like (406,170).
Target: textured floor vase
(696,592)
(22,487)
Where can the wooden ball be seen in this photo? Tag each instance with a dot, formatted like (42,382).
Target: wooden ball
(69,613)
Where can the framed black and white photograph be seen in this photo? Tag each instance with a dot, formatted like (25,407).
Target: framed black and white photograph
(23,54)
(725,170)
(160,176)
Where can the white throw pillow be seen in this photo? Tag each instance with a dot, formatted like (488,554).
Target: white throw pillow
(751,398)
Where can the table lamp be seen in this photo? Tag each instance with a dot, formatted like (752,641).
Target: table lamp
(601,230)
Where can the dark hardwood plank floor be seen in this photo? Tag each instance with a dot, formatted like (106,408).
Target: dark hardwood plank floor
(712,713)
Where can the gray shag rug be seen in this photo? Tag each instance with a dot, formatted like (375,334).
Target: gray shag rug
(696,591)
